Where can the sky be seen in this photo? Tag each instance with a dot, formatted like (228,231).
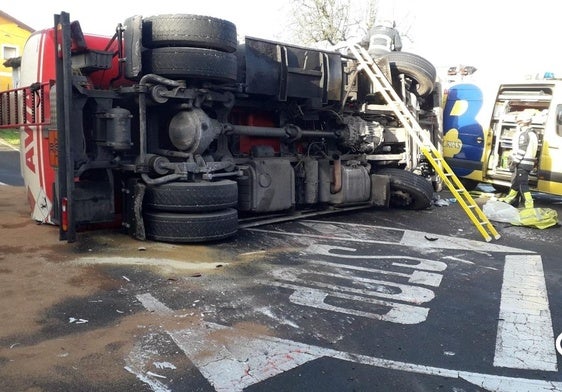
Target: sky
(503,38)
(498,36)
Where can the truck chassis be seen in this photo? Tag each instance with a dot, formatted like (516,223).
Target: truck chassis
(176,132)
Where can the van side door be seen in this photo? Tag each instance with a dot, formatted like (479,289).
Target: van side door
(464,138)
(550,169)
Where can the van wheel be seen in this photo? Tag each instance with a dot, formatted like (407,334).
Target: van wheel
(191,196)
(416,68)
(189,30)
(190,228)
(408,190)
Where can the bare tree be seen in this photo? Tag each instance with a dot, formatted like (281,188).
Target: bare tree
(331,21)
(370,15)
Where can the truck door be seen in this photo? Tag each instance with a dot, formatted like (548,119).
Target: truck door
(464,136)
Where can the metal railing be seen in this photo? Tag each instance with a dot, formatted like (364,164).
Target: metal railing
(24,106)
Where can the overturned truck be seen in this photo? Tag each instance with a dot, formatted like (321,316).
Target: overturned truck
(176,132)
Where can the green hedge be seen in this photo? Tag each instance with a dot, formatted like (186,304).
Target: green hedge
(10,136)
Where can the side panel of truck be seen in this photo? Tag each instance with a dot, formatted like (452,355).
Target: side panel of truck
(38,161)
(37,171)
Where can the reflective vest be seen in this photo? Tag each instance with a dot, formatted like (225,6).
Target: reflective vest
(525,146)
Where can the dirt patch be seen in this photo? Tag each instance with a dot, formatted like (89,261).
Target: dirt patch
(42,346)
(30,259)
(91,355)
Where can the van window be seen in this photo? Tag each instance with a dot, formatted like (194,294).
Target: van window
(9,52)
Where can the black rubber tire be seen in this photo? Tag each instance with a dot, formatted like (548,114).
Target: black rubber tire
(408,190)
(415,68)
(189,30)
(190,228)
(191,196)
(196,63)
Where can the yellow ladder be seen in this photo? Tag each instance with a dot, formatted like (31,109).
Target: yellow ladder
(382,85)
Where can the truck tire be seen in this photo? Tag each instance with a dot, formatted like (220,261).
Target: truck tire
(189,30)
(415,68)
(408,190)
(190,228)
(201,196)
(196,63)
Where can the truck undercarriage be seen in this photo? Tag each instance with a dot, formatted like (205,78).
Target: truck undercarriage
(178,133)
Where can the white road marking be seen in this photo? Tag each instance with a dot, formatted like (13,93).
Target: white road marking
(155,385)
(367,287)
(336,231)
(281,320)
(351,253)
(356,290)
(152,304)
(458,259)
(232,359)
(470,262)
(416,277)
(164,365)
(525,337)
(394,312)
(138,359)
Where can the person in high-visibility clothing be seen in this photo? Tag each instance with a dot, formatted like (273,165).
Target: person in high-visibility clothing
(522,160)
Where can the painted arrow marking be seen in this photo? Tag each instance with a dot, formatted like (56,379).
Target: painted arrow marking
(233,358)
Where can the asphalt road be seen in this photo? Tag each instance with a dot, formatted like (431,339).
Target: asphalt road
(383,300)
(10,165)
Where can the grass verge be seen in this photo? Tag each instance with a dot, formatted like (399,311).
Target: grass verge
(10,136)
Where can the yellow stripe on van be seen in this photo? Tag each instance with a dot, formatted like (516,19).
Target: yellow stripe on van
(459,108)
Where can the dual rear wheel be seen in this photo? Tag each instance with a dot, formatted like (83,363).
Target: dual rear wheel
(183,46)
(191,47)
(191,211)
